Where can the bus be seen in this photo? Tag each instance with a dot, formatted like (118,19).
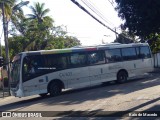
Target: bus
(51,71)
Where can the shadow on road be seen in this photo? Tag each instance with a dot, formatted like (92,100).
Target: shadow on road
(89,94)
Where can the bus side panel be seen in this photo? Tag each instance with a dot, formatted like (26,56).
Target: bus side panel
(35,86)
(143,66)
(148,64)
(95,73)
(79,77)
(110,71)
(130,67)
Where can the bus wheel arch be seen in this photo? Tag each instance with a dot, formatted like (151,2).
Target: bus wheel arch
(122,76)
(55,87)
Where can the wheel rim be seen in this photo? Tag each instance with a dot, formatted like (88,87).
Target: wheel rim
(55,89)
(122,77)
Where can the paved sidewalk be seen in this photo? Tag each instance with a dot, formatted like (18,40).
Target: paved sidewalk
(156,70)
(4,93)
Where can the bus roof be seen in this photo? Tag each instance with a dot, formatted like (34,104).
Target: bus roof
(83,48)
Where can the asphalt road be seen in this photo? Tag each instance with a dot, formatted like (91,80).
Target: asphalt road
(142,94)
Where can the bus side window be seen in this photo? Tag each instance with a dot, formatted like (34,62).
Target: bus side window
(113,55)
(78,59)
(32,67)
(55,62)
(129,53)
(26,68)
(96,57)
(145,52)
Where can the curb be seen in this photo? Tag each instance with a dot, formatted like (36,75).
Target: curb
(156,70)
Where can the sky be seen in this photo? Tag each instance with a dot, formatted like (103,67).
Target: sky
(80,24)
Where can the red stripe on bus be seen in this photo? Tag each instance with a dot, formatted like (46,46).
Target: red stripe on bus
(91,49)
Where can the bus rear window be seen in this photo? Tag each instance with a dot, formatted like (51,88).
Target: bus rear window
(145,52)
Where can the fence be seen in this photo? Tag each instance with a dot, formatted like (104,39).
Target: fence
(156,60)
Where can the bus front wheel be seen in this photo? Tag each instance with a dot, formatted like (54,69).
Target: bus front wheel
(121,77)
(55,89)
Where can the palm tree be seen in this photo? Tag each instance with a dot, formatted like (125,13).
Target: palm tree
(6,4)
(17,15)
(38,12)
(40,25)
(5,7)
(7,10)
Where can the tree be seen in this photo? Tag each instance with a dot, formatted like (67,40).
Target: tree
(10,11)
(38,33)
(17,15)
(38,27)
(125,40)
(6,12)
(141,16)
(7,7)
(17,44)
(154,42)
(38,12)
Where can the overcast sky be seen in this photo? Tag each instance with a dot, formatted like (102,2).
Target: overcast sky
(79,23)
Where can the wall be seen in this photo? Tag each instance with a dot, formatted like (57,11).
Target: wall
(156,59)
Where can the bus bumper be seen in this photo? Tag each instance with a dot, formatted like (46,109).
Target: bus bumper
(18,93)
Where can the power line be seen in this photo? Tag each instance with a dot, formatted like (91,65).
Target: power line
(81,7)
(111,2)
(91,6)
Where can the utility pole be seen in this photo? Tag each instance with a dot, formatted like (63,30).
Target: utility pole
(1,43)
(116,32)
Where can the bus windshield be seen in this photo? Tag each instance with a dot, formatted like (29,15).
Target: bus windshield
(15,70)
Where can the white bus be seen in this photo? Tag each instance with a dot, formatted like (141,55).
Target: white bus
(51,71)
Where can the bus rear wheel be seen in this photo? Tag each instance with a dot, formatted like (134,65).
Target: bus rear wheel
(121,77)
(55,89)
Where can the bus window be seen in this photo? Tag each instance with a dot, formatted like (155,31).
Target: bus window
(138,51)
(95,58)
(145,52)
(55,62)
(32,67)
(113,55)
(129,53)
(78,59)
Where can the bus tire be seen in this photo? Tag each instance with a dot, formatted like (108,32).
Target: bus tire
(121,77)
(43,95)
(55,89)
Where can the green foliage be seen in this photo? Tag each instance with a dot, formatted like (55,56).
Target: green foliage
(7,6)
(141,16)
(125,40)
(142,19)
(154,42)
(38,12)
(17,44)
(36,33)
